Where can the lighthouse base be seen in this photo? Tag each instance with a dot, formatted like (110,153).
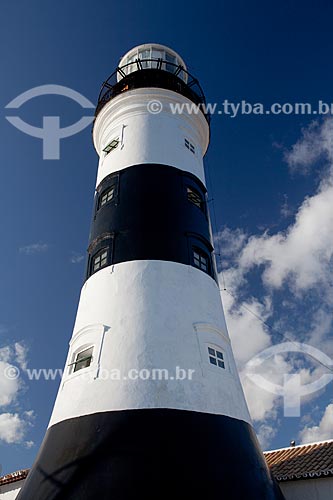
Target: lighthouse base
(150,453)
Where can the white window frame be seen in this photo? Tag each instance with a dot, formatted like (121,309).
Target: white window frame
(75,362)
(202,261)
(111,146)
(98,255)
(209,335)
(220,360)
(89,336)
(106,192)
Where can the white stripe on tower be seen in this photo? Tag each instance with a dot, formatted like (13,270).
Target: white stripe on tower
(150,138)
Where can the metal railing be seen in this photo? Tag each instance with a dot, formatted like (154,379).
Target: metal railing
(152,73)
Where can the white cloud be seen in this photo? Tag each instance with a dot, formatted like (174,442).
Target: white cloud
(9,388)
(231,241)
(76,258)
(13,426)
(265,435)
(315,143)
(5,354)
(303,255)
(249,335)
(34,248)
(320,432)
(21,355)
(285,210)
(297,261)
(10,385)
(263,404)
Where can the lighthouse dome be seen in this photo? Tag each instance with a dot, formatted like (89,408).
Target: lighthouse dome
(152,55)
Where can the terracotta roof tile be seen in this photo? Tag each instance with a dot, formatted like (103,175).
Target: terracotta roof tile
(301,462)
(14,476)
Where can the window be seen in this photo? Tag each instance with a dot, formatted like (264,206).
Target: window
(170,59)
(189,146)
(100,253)
(111,146)
(83,359)
(107,191)
(131,67)
(100,260)
(145,54)
(194,197)
(200,260)
(106,196)
(216,357)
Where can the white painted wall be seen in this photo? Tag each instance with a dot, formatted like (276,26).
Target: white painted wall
(308,489)
(11,490)
(149,138)
(150,314)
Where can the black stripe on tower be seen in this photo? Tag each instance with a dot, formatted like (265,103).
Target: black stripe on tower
(151,212)
(150,453)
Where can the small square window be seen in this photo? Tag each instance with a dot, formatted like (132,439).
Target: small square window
(189,146)
(216,357)
(107,196)
(83,359)
(111,146)
(200,260)
(100,260)
(195,197)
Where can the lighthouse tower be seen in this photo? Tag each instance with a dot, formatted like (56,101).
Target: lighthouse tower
(150,404)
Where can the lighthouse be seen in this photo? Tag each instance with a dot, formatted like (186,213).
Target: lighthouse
(150,404)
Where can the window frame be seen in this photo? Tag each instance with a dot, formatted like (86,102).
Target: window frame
(103,242)
(73,364)
(189,145)
(113,188)
(196,193)
(108,148)
(196,241)
(220,361)
(202,255)
(97,254)
(111,181)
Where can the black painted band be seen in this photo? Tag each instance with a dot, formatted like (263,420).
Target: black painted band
(150,453)
(151,212)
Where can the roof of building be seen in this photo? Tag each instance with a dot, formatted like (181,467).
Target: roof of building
(13,477)
(306,461)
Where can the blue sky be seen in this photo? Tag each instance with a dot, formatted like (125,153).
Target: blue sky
(271,179)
